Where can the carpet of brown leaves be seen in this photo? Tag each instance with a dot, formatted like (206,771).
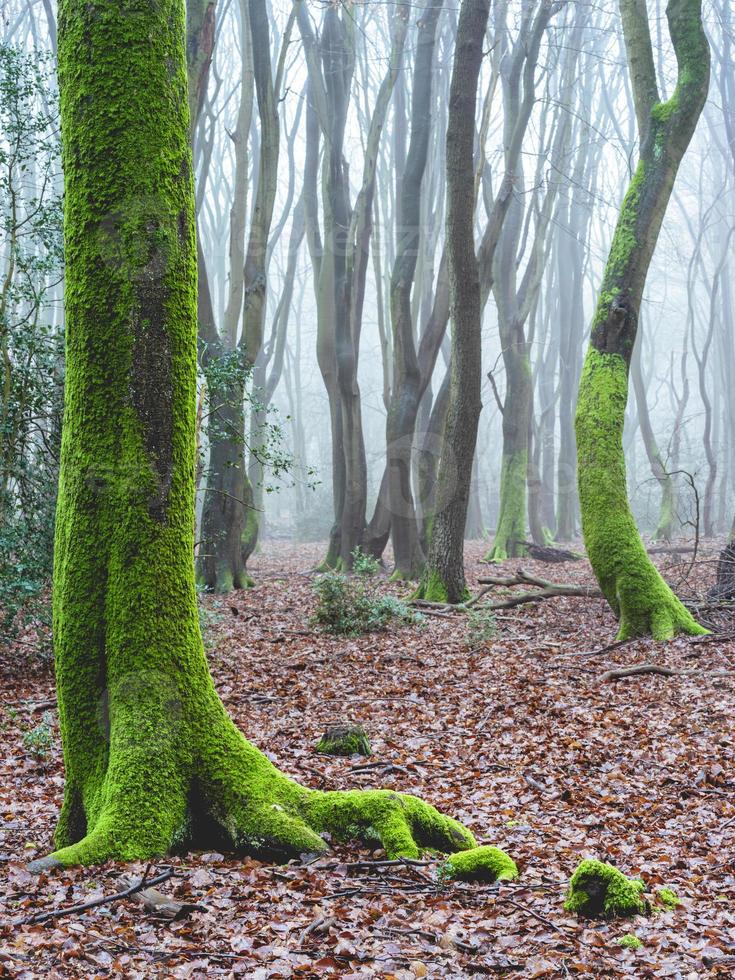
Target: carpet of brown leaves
(517,738)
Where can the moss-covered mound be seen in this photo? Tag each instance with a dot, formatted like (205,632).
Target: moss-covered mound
(599,890)
(481,864)
(668,898)
(345,740)
(630,942)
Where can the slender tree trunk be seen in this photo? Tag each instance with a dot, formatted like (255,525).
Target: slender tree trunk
(256,256)
(227,506)
(444,578)
(667,511)
(406,393)
(510,533)
(631,583)
(429,454)
(153,762)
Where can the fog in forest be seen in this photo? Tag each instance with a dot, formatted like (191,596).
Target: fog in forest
(366,393)
(344,145)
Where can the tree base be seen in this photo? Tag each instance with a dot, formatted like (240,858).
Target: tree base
(232,798)
(646,606)
(504,548)
(432,588)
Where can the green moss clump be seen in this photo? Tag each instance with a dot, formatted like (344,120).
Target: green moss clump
(598,890)
(480,864)
(668,898)
(630,941)
(345,740)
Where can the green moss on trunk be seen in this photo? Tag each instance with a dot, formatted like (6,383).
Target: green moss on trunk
(631,583)
(431,587)
(153,762)
(510,533)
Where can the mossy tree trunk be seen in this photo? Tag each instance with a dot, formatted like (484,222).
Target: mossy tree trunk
(444,578)
(510,533)
(153,762)
(631,583)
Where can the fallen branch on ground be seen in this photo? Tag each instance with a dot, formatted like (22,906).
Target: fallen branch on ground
(548,553)
(546,589)
(97,902)
(619,672)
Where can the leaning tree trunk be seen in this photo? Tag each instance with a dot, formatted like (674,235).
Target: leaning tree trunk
(444,578)
(630,582)
(153,761)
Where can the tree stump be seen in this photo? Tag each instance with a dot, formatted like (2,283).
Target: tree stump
(724,587)
(344,740)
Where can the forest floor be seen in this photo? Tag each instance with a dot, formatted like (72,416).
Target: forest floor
(514,734)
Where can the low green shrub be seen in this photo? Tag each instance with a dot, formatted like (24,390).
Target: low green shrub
(348,606)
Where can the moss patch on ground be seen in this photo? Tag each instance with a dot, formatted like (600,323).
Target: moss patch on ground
(600,890)
(480,864)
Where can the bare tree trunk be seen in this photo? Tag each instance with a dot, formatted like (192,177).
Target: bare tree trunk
(406,391)
(665,525)
(444,578)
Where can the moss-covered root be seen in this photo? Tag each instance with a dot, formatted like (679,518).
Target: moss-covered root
(403,824)
(293,822)
(481,864)
(237,800)
(600,890)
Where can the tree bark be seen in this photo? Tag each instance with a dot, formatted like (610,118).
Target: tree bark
(153,762)
(630,582)
(406,392)
(444,579)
